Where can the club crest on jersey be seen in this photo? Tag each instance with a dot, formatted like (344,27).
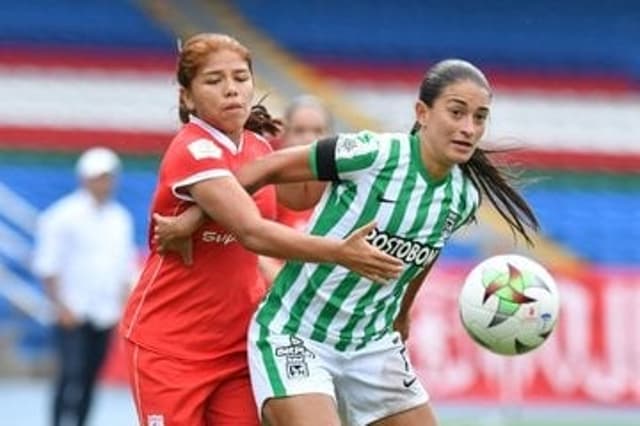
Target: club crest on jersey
(449,224)
(204,148)
(295,354)
(409,251)
(155,420)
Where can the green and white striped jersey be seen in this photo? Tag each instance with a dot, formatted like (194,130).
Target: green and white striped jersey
(381,178)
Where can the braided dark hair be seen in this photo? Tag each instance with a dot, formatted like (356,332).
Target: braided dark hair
(261,122)
(495,183)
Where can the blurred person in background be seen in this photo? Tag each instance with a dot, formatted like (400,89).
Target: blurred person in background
(325,337)
(185,325)
(306,119)
(85,256)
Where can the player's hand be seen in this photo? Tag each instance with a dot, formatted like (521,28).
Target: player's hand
(402,326)
(361,257)
(167,234)
(167,228)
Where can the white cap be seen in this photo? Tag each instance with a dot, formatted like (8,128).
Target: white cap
(97,161)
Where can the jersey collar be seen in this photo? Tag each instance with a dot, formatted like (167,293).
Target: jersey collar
(218,135)
(417,159)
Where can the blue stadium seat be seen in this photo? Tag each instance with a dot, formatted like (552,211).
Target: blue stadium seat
(599,225)
(107,23)
(546,35)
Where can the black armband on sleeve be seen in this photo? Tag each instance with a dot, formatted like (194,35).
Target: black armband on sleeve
(326,159)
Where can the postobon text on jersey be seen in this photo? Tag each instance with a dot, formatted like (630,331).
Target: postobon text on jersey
(409,251)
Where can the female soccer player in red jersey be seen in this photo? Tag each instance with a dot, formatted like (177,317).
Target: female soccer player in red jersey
(185,325)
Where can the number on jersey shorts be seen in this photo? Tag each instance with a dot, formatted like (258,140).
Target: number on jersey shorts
(382,178)
(287,365)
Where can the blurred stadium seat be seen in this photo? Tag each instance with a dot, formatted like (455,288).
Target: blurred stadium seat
(546,37)
(49,24)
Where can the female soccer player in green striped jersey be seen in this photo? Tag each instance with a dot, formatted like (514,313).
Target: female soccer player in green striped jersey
(324,337)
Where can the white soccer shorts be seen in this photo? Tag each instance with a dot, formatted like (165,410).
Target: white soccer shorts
(369,384)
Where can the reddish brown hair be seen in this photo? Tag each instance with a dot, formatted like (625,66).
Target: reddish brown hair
(192,56)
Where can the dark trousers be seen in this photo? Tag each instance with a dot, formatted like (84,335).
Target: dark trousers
(81,351)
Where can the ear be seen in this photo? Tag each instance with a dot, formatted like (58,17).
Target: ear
(422,113)
(186,99)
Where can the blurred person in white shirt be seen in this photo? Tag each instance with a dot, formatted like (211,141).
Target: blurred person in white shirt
(85,256)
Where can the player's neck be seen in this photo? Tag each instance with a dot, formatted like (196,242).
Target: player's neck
(436,169)
(99,201)
(235,137)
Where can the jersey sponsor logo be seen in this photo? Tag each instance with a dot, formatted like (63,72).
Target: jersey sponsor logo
(218,238)
(409,251)
(295,354)
(204,148)
(155,420)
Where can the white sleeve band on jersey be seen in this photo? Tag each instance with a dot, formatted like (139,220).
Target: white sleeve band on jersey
(198,177)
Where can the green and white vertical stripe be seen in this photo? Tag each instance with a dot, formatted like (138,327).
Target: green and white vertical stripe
(382,179)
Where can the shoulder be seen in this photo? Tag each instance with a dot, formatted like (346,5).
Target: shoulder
(466,186)
(193,140)
(63,205)
(192,150)
(187,133)
(380,145)
(399,143)
(258,141)
(356,144)
(64,211)
(374,140)
(355,151)
(367,150)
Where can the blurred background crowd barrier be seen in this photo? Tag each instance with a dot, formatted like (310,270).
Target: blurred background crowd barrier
(566,79)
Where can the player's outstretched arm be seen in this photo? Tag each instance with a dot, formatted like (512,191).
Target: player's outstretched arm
(288,165)
(225,201)
(300,195)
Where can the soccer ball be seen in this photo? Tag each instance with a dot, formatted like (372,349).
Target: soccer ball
(509,304)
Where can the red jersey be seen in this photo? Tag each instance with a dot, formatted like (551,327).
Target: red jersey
(200,311)
(296,219)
